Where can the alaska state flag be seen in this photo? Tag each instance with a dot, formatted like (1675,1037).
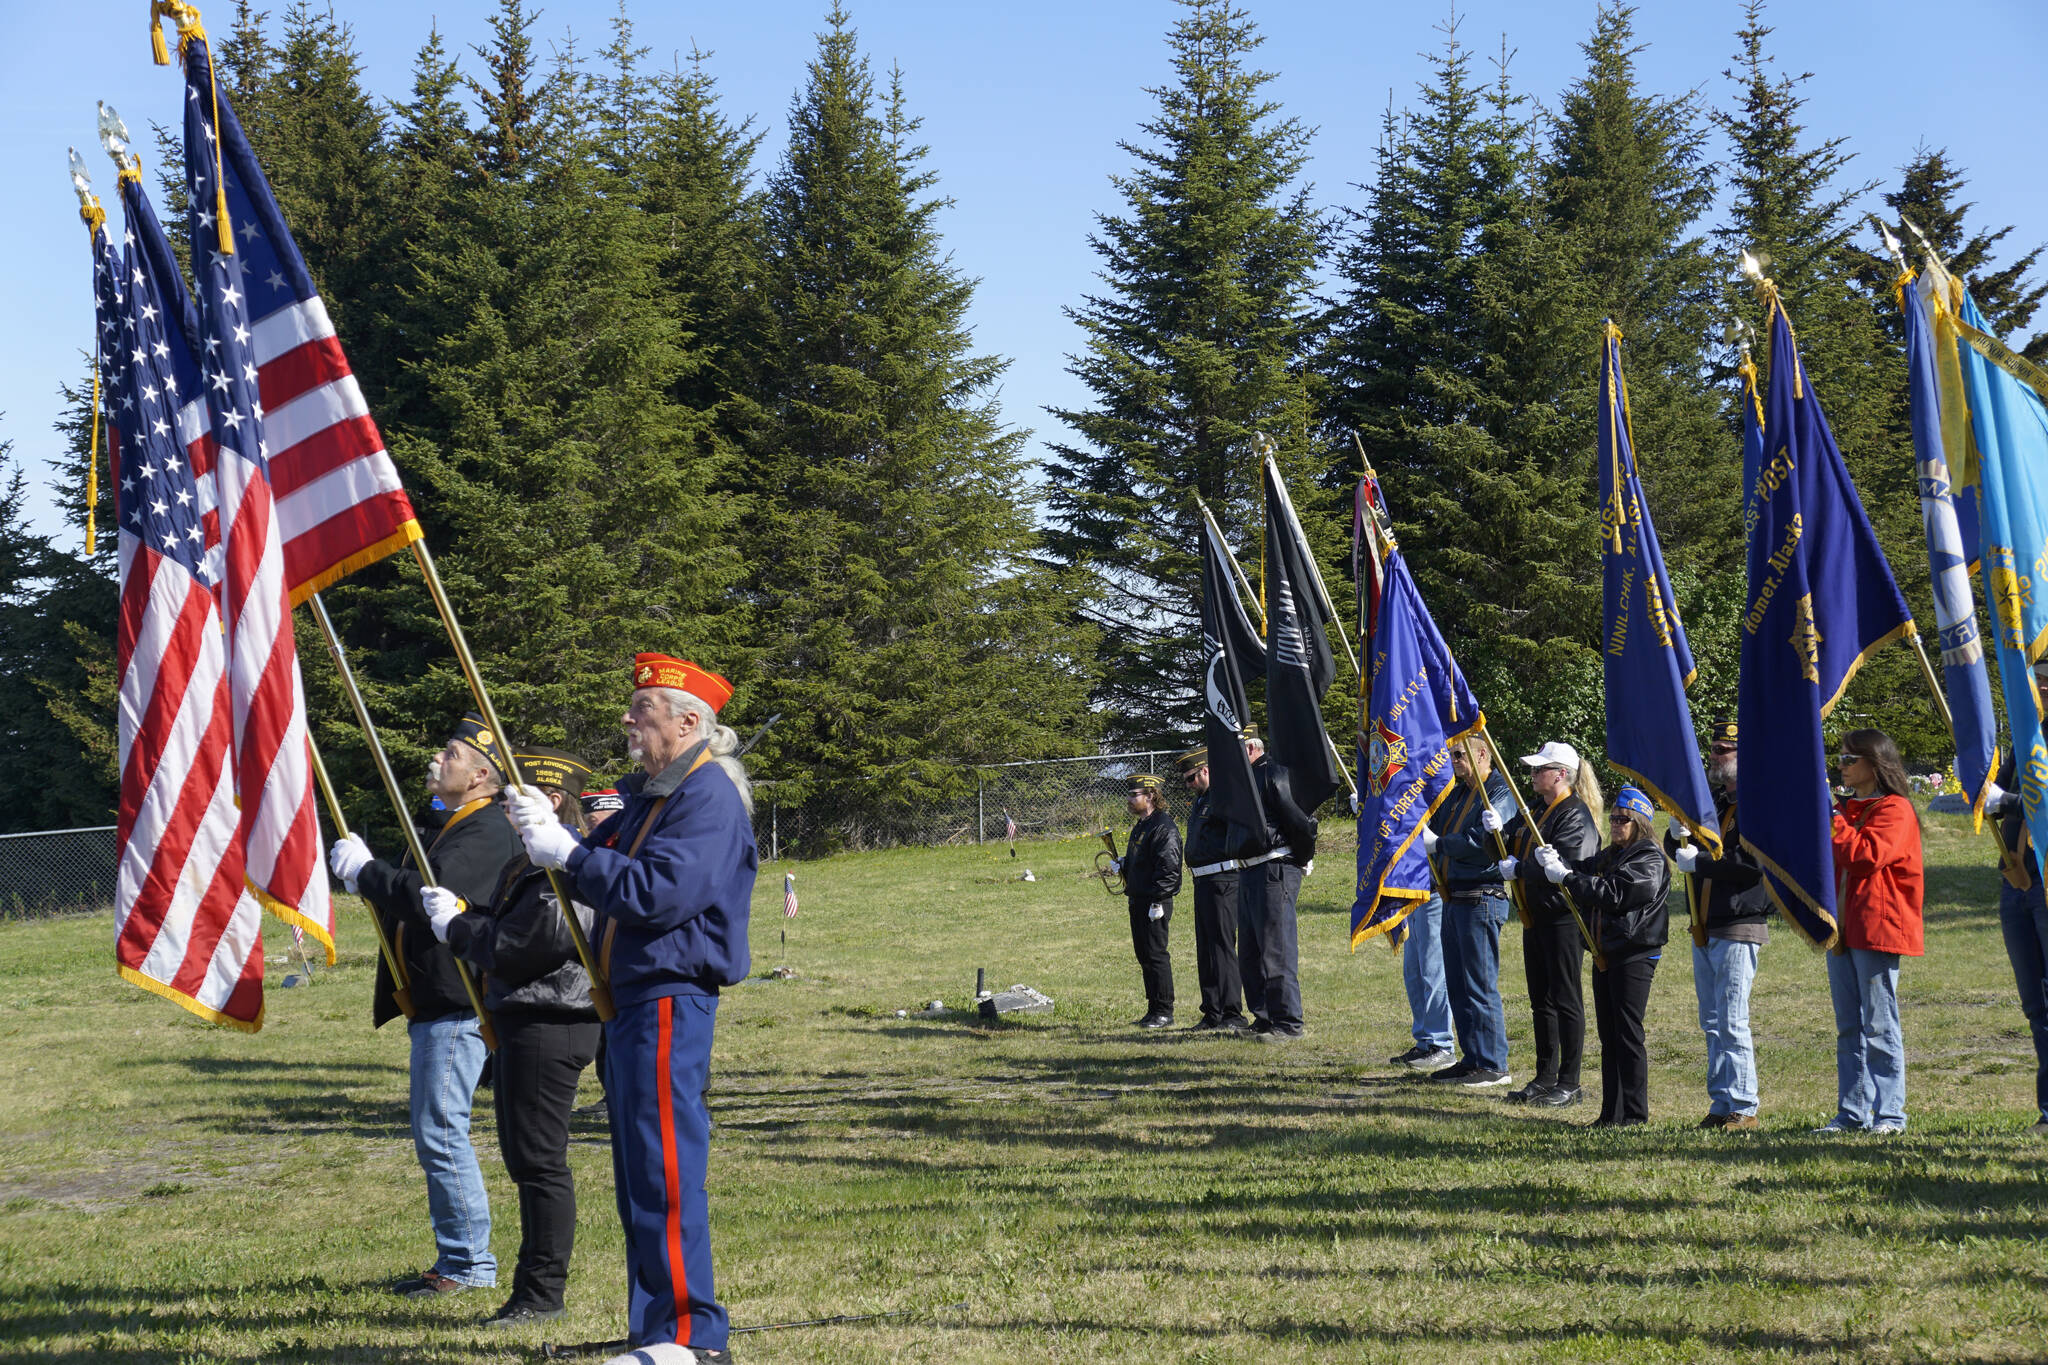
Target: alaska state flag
(1949,557)
(1648,663)
(2008,427)
(1821,597)
(1419,707)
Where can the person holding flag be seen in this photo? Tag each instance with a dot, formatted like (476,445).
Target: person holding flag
(1566,816)
(1731,922)
(1624,887)
(1462,857)
(1215,880)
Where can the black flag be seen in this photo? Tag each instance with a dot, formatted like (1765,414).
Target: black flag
(1299,665)
(1230,647)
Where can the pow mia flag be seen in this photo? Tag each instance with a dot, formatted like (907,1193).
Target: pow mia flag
(1229,648)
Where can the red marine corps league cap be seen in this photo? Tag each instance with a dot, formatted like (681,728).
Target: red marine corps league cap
(664,670)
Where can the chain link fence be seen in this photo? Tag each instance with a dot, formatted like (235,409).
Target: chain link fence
(1056,798)
(57,872)
(71,871)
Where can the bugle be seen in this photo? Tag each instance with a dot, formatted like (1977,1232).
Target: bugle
(1112,877)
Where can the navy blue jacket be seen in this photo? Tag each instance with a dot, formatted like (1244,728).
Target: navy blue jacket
(672,918)
(1466,855)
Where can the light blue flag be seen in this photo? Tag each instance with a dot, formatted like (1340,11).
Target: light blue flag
(1648,663)
(1963,673)
(2008,429)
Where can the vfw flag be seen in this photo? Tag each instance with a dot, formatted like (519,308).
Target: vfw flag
(1420,706)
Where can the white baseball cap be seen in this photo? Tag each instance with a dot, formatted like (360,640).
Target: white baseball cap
(1556,752)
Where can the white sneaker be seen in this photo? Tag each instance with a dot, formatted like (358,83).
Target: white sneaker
(1886,1129)
(1837,1124)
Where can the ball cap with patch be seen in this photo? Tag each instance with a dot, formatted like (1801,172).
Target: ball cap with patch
(665,670)
(472,731)
(554,768)
(1554,754)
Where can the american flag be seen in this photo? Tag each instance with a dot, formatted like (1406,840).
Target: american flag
(339,502)
(1009,827)
(789,895)
(185,926)
(273,773)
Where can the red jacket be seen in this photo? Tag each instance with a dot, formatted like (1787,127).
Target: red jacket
(1879,883)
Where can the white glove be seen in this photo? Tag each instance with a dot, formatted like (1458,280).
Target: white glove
(1429,841)
(348,857)
(1489,820)
(442,906)
(529,808)
(1687,857)
(1356,806)
(1552,864)
(1508,867)
(1116,865)
(549,845)
(1994,796)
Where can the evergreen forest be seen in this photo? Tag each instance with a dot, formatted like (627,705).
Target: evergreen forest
(652,391)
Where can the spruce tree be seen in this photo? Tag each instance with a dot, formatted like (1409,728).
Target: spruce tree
(1199,340)
(1929,193)
(1456,354)
(903,622)
(1793,206)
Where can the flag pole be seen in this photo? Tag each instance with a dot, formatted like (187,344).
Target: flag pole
(1537,839)
(1224,545)
(400,980)
(600,985)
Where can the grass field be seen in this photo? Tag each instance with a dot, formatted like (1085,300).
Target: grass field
(174,1193)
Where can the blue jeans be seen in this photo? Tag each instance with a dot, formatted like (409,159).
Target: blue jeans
(1721,976)
(2024,918)
(1422,972)
(1471,935)
(1870,1052)
(447,1058)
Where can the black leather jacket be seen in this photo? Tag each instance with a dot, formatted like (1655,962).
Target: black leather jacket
(1624,893)
(1286,822)
(1152,860)
(523,949)
(1732,884)
(1567,826)
(469,855)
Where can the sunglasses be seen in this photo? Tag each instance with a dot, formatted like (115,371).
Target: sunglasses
(1721,749)
(1846,759)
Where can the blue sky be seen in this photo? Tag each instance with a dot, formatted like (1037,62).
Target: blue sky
(1023,108)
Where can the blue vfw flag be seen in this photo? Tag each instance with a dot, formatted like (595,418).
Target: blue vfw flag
(1419,707)
(2007,439)
(1648,663)
(1821,598)
(1949,560)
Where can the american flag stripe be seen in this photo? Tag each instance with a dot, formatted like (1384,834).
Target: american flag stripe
(315,418)
(273,774)
(184,927)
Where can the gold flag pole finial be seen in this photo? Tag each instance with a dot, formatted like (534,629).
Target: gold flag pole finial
(190,30)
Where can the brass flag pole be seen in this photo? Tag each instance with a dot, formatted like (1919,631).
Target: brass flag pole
(600,986)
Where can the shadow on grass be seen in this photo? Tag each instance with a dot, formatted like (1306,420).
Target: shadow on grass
(314,1305)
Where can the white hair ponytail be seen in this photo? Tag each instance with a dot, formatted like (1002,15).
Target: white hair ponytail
(721,742)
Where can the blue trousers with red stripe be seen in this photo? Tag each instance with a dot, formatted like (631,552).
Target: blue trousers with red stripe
(657,1063)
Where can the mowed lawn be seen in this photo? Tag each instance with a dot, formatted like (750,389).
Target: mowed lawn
(171,1192)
